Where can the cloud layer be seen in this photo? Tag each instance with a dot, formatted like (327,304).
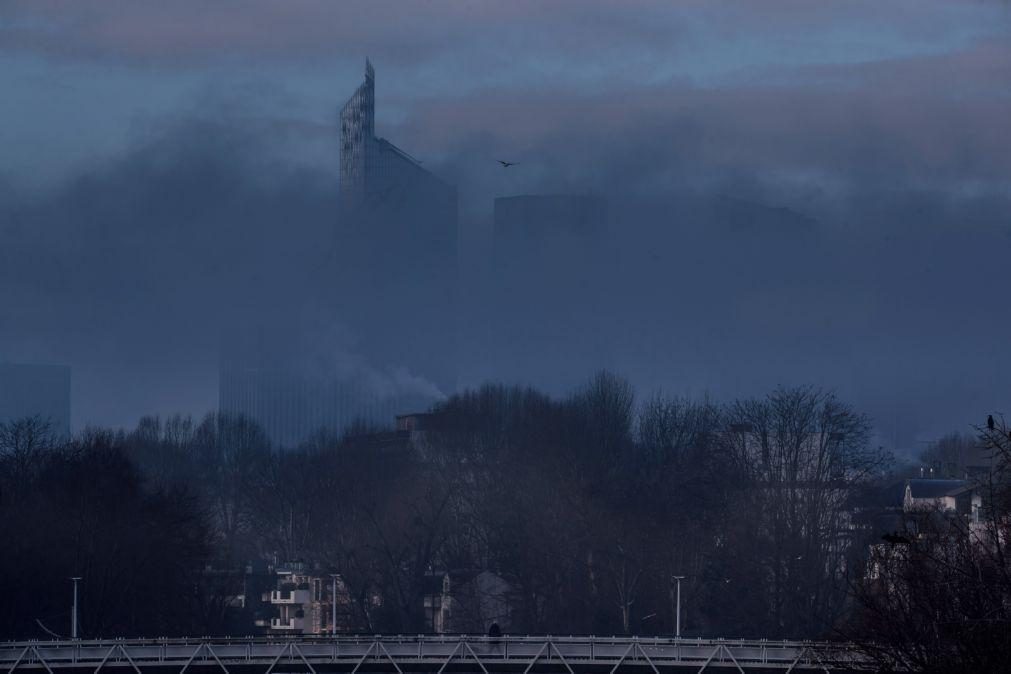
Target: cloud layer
(885,125)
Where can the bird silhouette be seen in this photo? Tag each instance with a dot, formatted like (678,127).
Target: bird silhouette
(507,164)
(989,421)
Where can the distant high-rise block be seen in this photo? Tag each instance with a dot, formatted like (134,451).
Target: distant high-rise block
(396,267)
(550,290)
(526,219)
(291,407)
(36,390)
(392,290)
(376,171)
(358,127)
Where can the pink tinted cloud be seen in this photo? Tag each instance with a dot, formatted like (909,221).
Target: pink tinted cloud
(928,117)
(197,31)
(188,30)
(925,122)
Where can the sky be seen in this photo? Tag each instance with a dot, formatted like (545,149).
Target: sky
(143,141)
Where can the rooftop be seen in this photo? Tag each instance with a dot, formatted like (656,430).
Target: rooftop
(927,488)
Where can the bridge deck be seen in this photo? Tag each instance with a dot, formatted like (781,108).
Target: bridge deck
(425,654)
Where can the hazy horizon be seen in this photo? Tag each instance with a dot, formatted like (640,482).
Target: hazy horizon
(796,194)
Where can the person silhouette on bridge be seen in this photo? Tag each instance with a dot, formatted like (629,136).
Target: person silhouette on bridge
(494,636)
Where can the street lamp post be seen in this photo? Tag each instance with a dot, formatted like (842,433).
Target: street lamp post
(73,612)
(677,627)
(333,606)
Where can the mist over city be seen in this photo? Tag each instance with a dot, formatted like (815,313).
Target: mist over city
(679,320)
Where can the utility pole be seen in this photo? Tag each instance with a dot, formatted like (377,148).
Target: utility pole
(677,628)
(333,606)
(73,613)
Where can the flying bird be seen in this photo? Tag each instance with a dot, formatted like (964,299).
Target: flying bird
(989,421)
(507,164)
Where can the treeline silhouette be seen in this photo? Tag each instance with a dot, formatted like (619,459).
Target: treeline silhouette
(586,506)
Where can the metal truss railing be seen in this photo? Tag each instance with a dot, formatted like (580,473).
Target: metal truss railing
(426,653)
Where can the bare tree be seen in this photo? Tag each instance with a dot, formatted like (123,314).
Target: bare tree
(23,444)
(138,550)
(233,454)
(953,455)
(163,451)
(803,454)
(682,468)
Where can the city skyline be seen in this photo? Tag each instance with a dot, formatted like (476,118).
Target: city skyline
(380,334)
(884,134)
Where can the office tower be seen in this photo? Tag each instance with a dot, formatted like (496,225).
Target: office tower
(396,270)
(389,291)
(551,285)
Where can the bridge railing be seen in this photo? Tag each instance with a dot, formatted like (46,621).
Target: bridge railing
(351,652)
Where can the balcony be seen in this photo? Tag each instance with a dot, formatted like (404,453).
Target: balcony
(289,624)
(290,597)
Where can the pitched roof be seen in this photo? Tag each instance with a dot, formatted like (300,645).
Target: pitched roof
(927,488)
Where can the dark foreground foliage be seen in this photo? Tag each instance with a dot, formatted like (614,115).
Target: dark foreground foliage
(936,596)
(586,506)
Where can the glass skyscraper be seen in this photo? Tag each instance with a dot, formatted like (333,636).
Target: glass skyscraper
(390,287)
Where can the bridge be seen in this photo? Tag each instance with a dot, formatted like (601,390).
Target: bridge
(426,654)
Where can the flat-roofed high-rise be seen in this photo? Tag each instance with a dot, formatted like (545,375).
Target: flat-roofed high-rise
(550,290)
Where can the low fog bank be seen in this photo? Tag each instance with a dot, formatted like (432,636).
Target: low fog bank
(137,272)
